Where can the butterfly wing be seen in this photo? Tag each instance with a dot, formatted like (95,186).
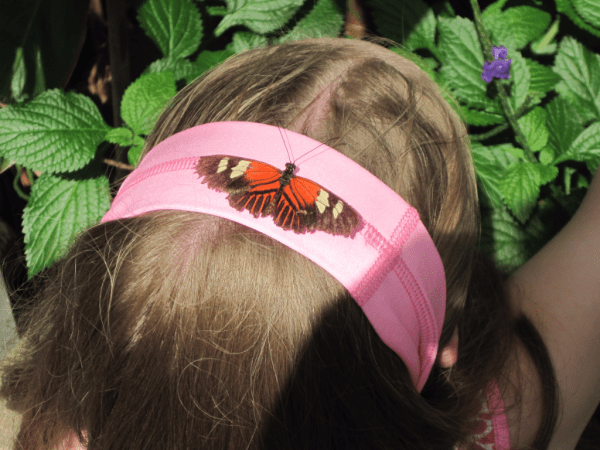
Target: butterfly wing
(301,206)
(306,206)
(251,185)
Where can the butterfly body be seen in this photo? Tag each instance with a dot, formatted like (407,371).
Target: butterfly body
(295,203)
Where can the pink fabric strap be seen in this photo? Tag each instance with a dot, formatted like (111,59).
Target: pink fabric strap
(390,265)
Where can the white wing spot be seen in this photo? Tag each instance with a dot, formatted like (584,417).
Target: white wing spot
(322,200)
(239,170)
(338,209)
(223,165)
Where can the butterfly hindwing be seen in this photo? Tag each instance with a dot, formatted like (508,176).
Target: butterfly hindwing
(320,209)
(300,205)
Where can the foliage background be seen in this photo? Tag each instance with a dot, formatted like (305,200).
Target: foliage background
(82,83)
(86,82)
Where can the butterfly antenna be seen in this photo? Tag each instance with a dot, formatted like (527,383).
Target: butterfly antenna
(310,151)
(290,156)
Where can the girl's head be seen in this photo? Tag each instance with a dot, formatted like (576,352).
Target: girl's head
(230,170)
(372,105)
(184,330)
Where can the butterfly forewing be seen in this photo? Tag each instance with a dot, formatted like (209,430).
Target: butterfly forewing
(233,175)
(264,182)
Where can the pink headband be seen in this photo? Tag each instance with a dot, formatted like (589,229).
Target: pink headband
(383,254)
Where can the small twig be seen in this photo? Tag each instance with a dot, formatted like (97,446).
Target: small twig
(120,165)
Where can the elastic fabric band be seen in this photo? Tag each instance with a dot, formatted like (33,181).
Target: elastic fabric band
(389,265)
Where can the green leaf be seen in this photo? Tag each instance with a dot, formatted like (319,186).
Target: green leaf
(264,16)
(582,182)
(493,11)
(173,25)
(570,202)
(545,45)
(423,35)
(58,210)
(562,124)
(514,151)
(586,148)
(547,173)
(491,163)
(517,27)
(430,64)
(580,72)
(405,21)
(504,239)
(41,82)
(542,78)
(145,99)
(521,184)
(533,125)
(568,173)
(55,132)
(588,10)
(218,11)
(565,7)
(186,69)
(546,156)
(520,78)
(181,68)
(443,9)
(133,155)
(462,63)
(512,244)
(482,118)
(245,40)
(19,75)
(538,49)
(324,20)
(50,34)
(5,163)
(209,59)
(120,136)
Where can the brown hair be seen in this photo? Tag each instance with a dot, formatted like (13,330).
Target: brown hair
(181,330)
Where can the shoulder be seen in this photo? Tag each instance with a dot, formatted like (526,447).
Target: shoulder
(558,291)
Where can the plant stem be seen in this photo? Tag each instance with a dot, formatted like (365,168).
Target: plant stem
(524,109)
(486,47)
(18,190)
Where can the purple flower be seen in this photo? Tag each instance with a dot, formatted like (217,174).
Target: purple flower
(499,52)
(498,67)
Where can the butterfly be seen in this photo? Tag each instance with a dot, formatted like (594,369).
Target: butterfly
(295,203)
